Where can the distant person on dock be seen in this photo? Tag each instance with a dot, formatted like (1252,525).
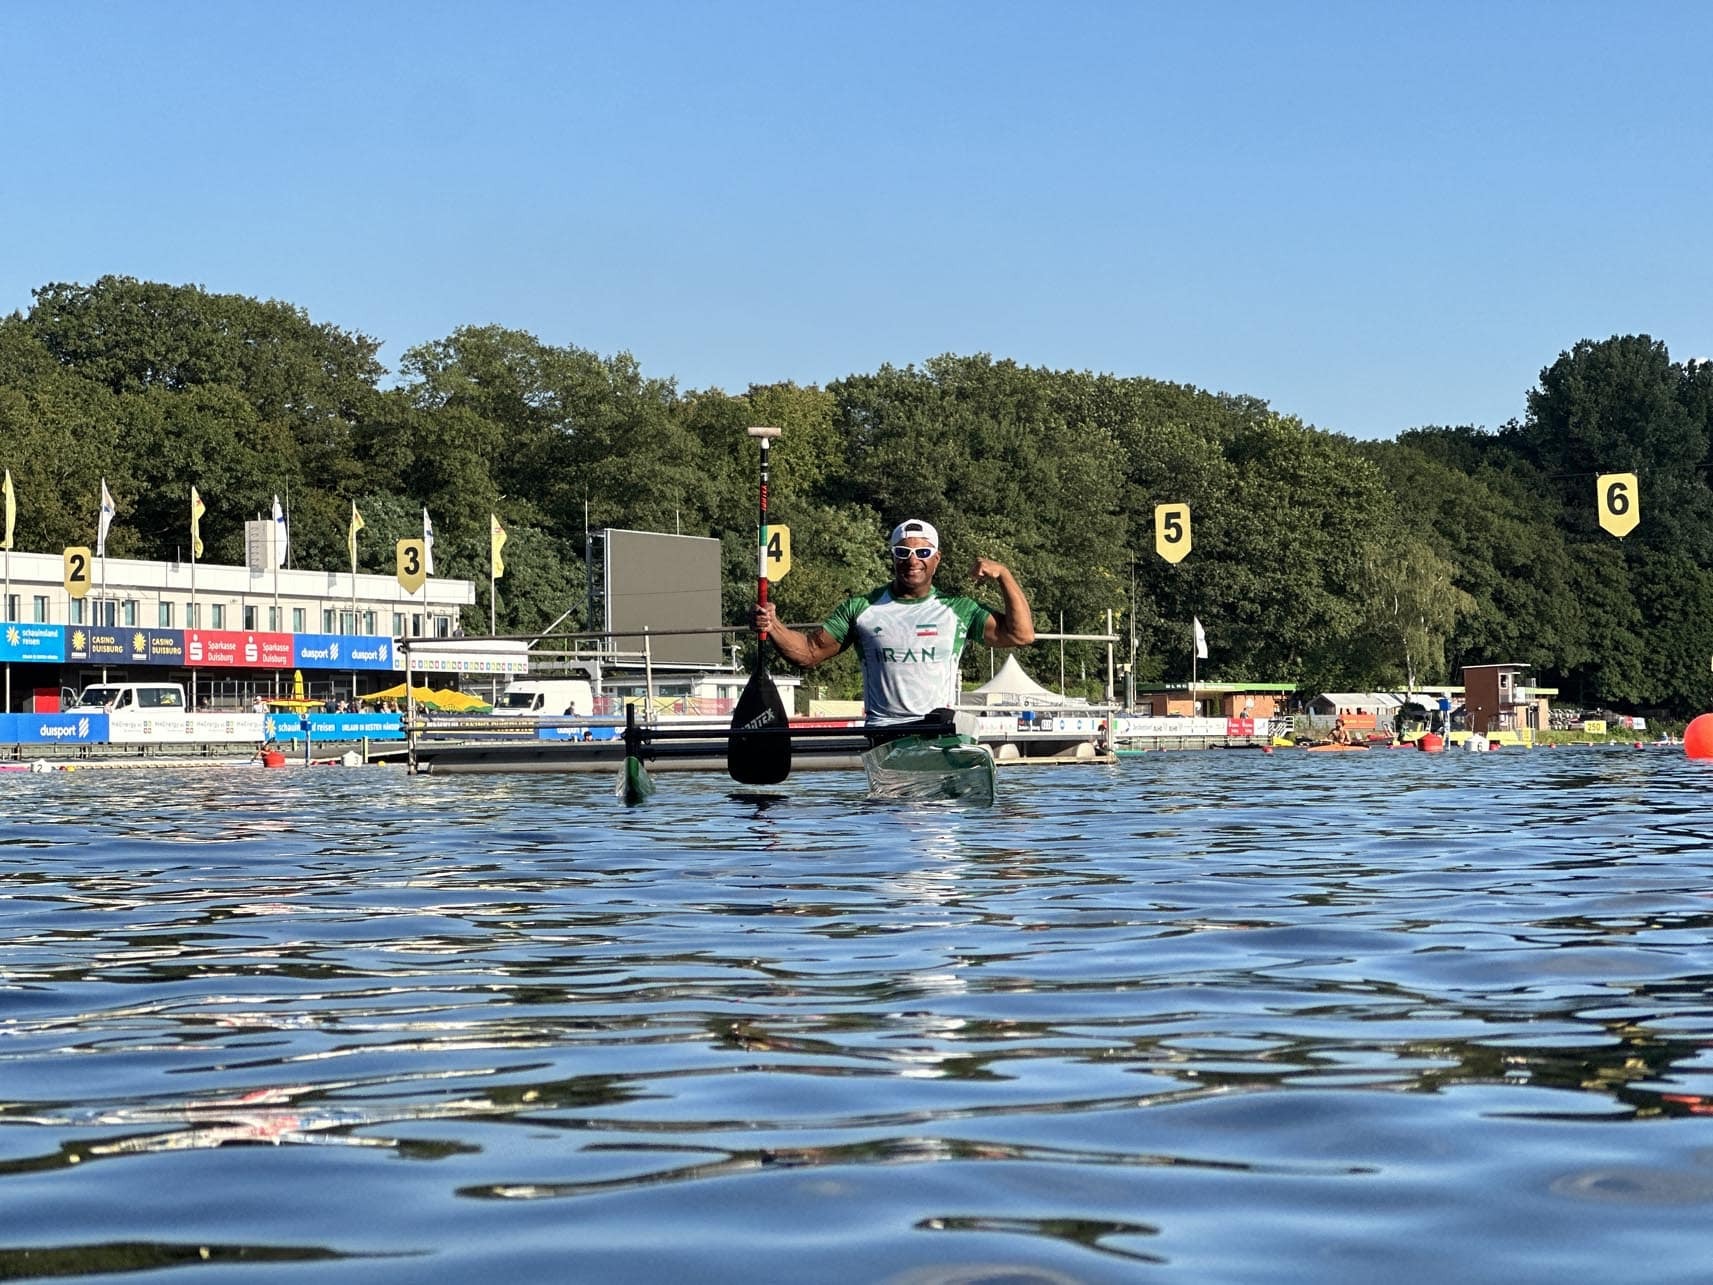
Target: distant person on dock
(908,634)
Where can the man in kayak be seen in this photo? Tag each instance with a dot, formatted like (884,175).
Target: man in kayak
(909,634)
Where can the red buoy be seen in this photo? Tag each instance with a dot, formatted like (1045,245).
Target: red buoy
(1698,738)
(1431,743)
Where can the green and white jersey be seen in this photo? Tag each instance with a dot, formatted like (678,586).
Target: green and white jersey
(909,649)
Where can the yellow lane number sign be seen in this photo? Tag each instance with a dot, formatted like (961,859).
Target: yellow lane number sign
(410,558)
(776,559)
(1620,505)
(77,571)
(1172,531)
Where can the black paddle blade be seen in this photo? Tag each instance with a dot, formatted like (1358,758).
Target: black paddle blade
(764,756)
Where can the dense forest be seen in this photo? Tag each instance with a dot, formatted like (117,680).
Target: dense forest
(1318,559)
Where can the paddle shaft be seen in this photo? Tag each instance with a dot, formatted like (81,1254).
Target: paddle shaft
(761,546)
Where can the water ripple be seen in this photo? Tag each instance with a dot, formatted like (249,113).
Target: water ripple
(1386,1014)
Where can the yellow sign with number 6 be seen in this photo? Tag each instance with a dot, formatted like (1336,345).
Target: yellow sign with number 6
(1620,504)
(1172,531)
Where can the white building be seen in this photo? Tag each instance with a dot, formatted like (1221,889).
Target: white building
(129,593)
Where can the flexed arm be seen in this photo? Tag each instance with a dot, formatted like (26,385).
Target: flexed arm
(1015,627)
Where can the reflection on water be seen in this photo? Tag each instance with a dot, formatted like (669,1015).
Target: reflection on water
(1377,1015)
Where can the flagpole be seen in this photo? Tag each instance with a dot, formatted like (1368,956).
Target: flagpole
(1195,654)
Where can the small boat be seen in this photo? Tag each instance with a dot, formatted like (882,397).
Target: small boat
(1333,747)
(925,759)
(931,767)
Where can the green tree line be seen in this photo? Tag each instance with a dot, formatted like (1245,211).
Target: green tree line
(1317,559)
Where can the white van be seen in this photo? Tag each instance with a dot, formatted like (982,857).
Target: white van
(117,697)
(546,697)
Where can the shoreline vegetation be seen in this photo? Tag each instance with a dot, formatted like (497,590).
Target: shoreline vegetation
(1318,559)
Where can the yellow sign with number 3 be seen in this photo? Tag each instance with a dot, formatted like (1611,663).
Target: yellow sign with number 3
(411,570)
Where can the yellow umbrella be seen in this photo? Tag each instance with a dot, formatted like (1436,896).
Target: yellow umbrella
(426,696)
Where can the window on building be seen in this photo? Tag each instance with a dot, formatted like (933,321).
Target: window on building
(347,622)
(252,617)
(297,620)
(443,626)
(398,624)
(74,611)
(41,613)
(416,625)
(274,614)
(328,622)
(12,607)
(129,611)
(193,615)
(369,623)
(166,614)
(217,615)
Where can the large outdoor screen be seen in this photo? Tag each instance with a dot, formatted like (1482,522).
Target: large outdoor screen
(664,582)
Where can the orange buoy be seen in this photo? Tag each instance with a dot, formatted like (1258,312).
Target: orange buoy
(1431,743)
(1698,738)
(273,758)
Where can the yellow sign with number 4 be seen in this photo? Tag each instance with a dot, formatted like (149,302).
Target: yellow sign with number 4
(777,559)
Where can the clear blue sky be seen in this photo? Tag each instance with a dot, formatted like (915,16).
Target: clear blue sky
(1372,216)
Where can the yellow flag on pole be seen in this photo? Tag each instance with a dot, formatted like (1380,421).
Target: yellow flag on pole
(11,509)
(351,539)
(496,541)
(197,509)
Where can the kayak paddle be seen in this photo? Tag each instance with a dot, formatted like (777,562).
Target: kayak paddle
(760,760)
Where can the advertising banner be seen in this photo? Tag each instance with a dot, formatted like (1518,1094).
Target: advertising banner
(235,649)
(125,645)
(26,644)
(568,732)
(53,729)
(182,727)
(464,656)
(335,727)
(341,651)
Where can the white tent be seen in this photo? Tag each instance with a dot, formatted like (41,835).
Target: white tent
(1012,687)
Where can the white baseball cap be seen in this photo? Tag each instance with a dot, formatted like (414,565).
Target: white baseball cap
(916,527)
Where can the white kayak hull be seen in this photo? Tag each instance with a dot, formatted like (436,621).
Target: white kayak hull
(937,767)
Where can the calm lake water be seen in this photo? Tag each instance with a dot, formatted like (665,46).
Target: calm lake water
(1211,1016)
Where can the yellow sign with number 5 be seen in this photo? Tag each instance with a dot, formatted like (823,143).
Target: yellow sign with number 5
(1172,531)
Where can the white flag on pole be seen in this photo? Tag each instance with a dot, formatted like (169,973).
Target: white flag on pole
(1201,640)
(107,511)
(427,544)
(279,534)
